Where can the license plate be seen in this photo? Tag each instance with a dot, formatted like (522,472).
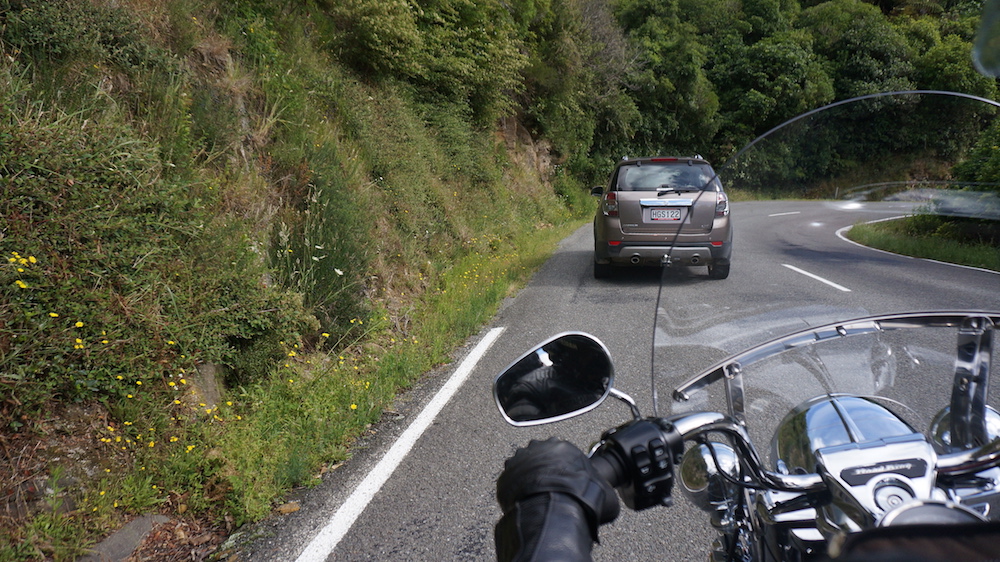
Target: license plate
(665,214)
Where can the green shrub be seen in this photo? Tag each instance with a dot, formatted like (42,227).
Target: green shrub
(453,50)
(113,276)
(65,31)
(377,37)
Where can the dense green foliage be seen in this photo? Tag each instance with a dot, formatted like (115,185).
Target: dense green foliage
(461,51)
(715,74)
(321,198)
(983,162)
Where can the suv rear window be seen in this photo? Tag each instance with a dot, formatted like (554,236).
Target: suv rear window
(651,176)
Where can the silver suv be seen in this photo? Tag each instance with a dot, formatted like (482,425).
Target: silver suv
(661,210)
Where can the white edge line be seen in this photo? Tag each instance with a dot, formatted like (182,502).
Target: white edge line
(787,213)
(817,277)
(326,540)
(842,236)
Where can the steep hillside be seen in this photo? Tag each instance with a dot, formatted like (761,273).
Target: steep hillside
(226,252)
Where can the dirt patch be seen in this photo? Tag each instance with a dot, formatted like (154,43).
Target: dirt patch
(180,540)
(48,466)
(52,464)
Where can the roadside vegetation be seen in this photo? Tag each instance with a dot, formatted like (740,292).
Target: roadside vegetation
(971,242)
(231,232)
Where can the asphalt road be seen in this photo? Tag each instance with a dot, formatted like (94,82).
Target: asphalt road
(790,269)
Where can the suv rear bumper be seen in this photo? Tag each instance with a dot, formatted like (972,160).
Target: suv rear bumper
(652,255)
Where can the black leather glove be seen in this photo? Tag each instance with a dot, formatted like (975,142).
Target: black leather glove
(553,502)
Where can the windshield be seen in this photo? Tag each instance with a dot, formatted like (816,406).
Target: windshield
(809,182)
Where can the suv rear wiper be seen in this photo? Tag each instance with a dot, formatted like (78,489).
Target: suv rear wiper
(670,189)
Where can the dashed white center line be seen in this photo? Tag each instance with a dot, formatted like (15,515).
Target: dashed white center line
(328,537)
(784,214)
(817,277)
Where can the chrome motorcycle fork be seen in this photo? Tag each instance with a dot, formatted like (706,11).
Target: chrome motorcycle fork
(738,540)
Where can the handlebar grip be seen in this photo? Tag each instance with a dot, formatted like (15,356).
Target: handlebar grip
(638,460)
(606,464)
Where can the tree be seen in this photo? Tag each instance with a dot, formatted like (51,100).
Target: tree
(769,82)
(768,17)
(948,66)
(677,103)
(983,162)
(866,53)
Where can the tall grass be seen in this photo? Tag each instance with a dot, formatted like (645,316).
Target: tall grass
(309,411)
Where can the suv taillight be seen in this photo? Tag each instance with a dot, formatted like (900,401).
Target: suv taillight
(721,204)
(610,204)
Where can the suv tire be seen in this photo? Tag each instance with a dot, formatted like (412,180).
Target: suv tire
(602,270)
(718,271)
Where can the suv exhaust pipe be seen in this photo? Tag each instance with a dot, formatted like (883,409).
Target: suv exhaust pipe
(635,259)
(695,259)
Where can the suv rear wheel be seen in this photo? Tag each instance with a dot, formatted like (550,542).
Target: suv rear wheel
(602,270)
(718,271)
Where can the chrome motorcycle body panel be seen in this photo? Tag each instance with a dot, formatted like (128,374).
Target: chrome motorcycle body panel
(849,454)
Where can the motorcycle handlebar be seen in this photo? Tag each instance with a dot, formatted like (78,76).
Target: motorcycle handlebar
(690,425)
(638,458)
(610,469)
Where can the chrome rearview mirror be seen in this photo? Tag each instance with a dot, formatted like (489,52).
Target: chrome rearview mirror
(563,377)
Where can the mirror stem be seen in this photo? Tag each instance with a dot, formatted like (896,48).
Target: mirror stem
(628,400)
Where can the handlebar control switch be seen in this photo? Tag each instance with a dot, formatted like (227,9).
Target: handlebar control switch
(646,451)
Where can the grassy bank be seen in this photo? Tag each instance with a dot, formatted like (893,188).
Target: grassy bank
(230,462)
(975,243)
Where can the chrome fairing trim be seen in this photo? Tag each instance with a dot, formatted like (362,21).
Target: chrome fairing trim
(735,393)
